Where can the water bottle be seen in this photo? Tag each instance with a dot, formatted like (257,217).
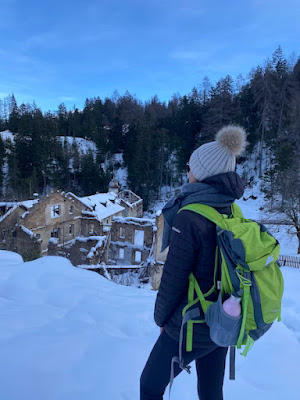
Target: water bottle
(232,306)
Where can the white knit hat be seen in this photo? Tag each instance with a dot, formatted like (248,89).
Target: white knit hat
(219,156)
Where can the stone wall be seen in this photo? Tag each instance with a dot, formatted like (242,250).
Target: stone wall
(28,246)
(128,245)
(82,251)
(159,257)
(67,222)
(91,227)
(132,203)
(8,230)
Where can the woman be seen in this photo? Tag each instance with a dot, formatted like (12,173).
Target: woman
(192,244)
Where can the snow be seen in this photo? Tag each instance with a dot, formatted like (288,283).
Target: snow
(105,204)
(83,145)
(85,239)
(27,231)
(7,135)
(135,221)
(129,245)
(93,249)
(121,173)
(68,334)
(255,209)
(53,240)
(24,214)
(118,157)
(8,213)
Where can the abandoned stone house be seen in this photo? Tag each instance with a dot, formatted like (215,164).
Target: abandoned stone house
(131,241)
(14,236)
(105,228)
(64,219)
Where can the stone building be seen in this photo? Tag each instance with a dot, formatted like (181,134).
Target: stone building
(57,215)
(64,219)
(14,236)
(102,207)
(132,203)
(131,241)
(159,257)
(89,250)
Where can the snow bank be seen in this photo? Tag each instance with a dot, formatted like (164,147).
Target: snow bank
(68,334)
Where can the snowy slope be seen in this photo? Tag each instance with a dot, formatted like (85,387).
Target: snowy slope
(7,135)
(115,163)
(69,334)
(83,145)
(255,209)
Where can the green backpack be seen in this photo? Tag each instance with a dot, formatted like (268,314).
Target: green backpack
(247,255)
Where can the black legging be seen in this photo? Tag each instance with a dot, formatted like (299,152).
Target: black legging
(210,365)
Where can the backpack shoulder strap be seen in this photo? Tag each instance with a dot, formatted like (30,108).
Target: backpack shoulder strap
(236,211)
(207,212)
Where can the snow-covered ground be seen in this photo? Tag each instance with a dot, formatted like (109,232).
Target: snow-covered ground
(254,208)
(70,334)
(120,172)
(83,145)
(7,135)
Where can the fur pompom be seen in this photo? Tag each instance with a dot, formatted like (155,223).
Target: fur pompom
(233,139)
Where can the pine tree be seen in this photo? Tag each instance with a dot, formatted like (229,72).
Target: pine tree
(219,111)
(92,177)
(13,121)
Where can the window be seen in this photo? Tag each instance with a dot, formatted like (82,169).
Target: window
(71,230)
(139,237)
(122,232)
(55,211)
(71,210)
(55,233)
(91,228)
(121,253)
(138,256)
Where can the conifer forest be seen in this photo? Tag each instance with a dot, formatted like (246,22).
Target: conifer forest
(157,138)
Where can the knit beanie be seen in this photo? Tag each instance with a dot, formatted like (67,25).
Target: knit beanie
(219,156)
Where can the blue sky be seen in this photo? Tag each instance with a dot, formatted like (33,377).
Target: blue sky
(64,51)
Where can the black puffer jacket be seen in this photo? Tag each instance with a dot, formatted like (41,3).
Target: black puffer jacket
(192,249)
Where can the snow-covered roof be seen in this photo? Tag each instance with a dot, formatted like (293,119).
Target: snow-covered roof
(104,205)
(8,213)
(12,206)
(26,203)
